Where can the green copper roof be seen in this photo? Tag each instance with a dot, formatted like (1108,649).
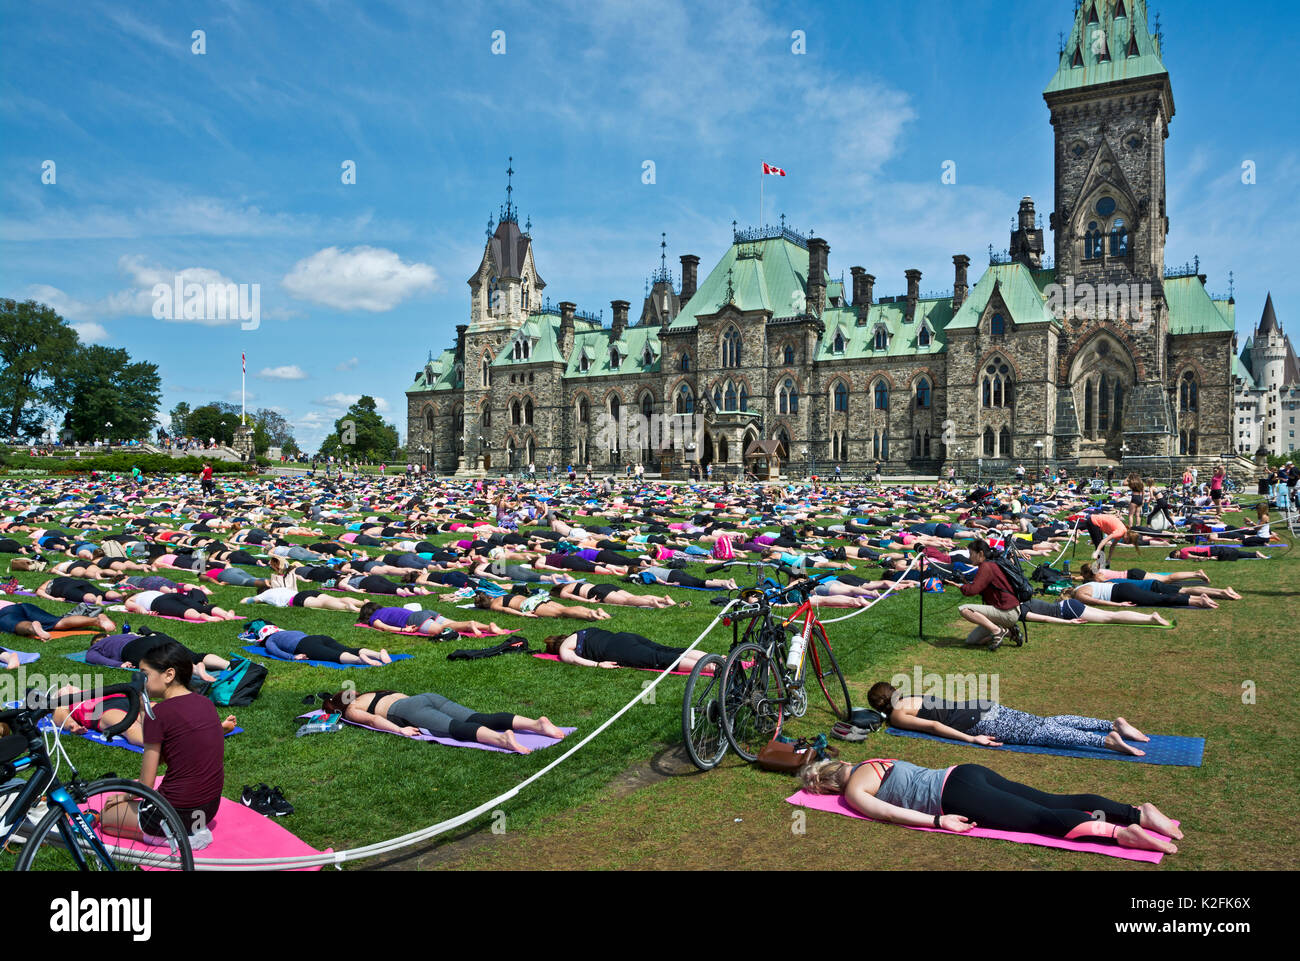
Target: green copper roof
(764,275)
(1193,311)
(438,374)
(596,344)
(902,338)
(1133,51)
(1020,290)
(1242,372)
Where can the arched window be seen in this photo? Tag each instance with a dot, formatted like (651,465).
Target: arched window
(1004,443)
(613,358)
(487,417)
(838,346)
(514,412)
(998,325)
(731,348)
(730,398)
(722,450)
(528,411)
(1103,404)
(428,418)
(997,384)
(1089,425)
(584,411)
(525,296)
(989,441)
(1187,393)
(717,397)
(923,394)
(1093,242)
(1191,443)
(685,401)
(788,355)
(923,337)
(647,406)
(882,395)
(841,397)
(585,363)
(487,373)
(613,406)
(685,365)
(1118,405)
(744,397)
(1118,238)
(926,452)
(916,446)
(788,398)
(882,339)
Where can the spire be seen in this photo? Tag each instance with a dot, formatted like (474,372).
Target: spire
(1268,322)
(508,212)
(663,252)
(1110,41)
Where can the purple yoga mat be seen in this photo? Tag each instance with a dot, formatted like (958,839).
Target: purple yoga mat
(24,657)
(835,804)
(533,742)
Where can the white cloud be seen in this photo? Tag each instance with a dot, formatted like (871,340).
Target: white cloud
(363,278)
(287,372)
(348,364)
(66,307)
(138,299)
(341,401)
(233,397)
(91,332)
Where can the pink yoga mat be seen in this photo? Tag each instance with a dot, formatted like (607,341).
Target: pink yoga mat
(240,832)
(370,627)
(835,804)
(534,742)
(553,657)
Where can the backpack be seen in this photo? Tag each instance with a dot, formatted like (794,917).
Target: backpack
(1020,586)
(1049,576)
(722,549)
(236,686)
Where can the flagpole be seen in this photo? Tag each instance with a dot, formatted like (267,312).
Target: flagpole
(761,178)
(243,376)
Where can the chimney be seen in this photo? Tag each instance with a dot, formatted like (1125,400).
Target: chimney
(690,268)
(1027,240)
(959,285)
(460,341)
(565,339)
(859,275)
(620,317)
(818,254)
(913,293)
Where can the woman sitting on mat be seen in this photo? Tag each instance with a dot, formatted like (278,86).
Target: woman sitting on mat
(186,735)
(301,646)
(407,714)
(992,725)
(100,713)
(188,605)
(1071,611)
(400,620)
(965,796)
(595,647)
(536,605)
(28,620)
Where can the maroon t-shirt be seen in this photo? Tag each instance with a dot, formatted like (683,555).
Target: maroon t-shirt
(193,749)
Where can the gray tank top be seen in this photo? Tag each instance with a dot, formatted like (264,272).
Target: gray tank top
(912,787)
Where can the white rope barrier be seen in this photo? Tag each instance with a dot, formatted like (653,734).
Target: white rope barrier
(415,837)
(894,587)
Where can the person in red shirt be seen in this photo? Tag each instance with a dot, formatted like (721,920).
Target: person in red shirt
(998,617)
(206,482)
(185,735)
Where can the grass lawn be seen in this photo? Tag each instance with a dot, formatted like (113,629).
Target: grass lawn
(356,787)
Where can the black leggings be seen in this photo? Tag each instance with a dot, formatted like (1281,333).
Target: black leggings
(318,647)
(682,579)
(1144,598)
(991,801)
(175,605)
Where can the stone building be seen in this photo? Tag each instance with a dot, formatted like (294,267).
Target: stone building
(1267,377)
(1086,352)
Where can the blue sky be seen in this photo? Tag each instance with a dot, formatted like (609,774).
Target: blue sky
(227,165)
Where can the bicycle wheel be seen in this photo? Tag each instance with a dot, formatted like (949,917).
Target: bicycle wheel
(829,675)
(751,709)
(702,714)
(58,842)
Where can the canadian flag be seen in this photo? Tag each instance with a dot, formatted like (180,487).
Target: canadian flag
(243,362)
(769,169)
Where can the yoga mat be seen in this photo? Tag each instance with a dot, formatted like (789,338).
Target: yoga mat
(47,724)
(371,627)
(553,657)
(24,657)
(240,832)
(533,742)
(263,652)
(79,657)
(70,633)
(835,804)
(1162,749)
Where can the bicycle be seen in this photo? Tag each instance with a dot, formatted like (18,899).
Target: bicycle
(70,834)
(759,687)
(701,707)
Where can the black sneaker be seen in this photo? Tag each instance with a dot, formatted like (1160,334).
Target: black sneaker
(276,802)
(258,799)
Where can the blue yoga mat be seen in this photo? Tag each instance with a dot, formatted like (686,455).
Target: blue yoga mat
(46,724)
(78,656)
(263,652)
(24,657)
(1162,749)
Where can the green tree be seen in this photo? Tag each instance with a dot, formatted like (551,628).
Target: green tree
(361,433)
(106,387)
(274,429)
(212,420)
(179,413)
(35,346)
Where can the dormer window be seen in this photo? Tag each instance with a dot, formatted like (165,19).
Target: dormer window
(647,358)
(838,346)
(998,325)
(686,363)
(584,364)
(787,356)
(614,361)
(923,337)
(882,339)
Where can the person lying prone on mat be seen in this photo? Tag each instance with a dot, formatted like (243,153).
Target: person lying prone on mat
(301,646)
(536,605)
(407,714)
(992,725)
(101,713)
(186,736)
(594,647)
(399,620)
(185,605)
(126,650)
(965,796)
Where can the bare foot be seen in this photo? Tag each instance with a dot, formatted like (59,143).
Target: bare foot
(40,633)
(1116,743)
(384,657)
(1229,592)
(545,727)
(106,623)
(1157,619)
(228,724)
(511,743)
(1134,836)
(1127,730)
(1203,576)
(1156,821)
(9,660)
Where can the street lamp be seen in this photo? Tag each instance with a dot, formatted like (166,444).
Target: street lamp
(108,424)
(1038,446)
